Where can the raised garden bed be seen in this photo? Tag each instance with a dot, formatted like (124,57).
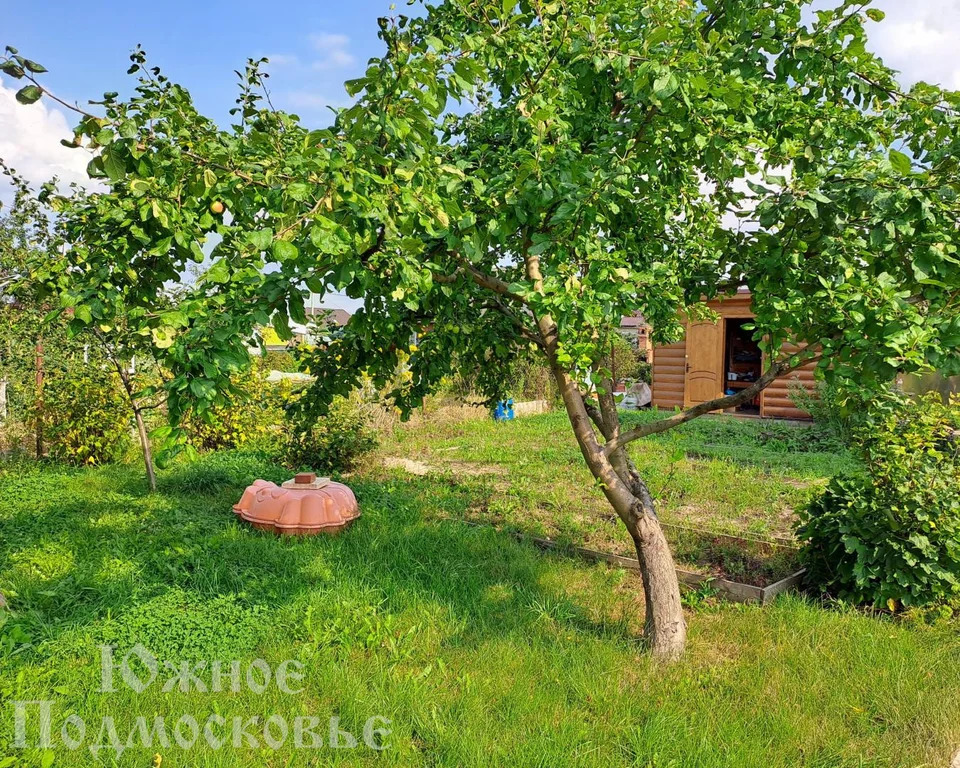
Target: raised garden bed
(743,559)
(742,569)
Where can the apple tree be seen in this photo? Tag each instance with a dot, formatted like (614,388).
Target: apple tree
(513,177)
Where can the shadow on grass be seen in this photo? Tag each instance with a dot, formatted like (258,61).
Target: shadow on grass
(91,557)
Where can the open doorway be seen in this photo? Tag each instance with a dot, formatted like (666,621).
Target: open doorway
(742,361)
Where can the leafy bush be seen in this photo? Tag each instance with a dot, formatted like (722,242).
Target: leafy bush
(531,380)
(275,360)
(890,535)
(85,416)
(525,378)
(252,415)
(334,442)
(833,410)
(626,361)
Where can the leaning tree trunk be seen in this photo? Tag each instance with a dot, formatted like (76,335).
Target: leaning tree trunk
(665,627)
(141,427)
(145,446)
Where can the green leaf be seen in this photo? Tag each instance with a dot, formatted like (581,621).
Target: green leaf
(260,239)
(113,164)
(298,191)
(355,86)
(162,432)
(34,67)
(875,14)
(127,129)
(202,389)
(11,68)
(82,312)
(900,162)
(657,36)
(285,251)
(29,94)
(282,326)
(95,168)
(218,273)
(665,86)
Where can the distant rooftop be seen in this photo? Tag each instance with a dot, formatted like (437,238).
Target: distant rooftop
(635,320)
(338,317)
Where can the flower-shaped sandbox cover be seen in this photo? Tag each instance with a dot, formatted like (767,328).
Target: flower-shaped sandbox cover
(304,506)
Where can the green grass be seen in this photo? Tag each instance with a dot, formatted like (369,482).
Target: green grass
(720,474)
(481,650)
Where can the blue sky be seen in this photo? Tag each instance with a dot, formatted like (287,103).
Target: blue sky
(314,46)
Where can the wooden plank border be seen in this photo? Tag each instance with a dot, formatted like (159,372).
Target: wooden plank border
(732,590)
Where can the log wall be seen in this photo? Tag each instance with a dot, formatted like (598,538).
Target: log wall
(669,372)
(776,400)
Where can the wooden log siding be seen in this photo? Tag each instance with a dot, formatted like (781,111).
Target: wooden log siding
(776,400)
(669,375)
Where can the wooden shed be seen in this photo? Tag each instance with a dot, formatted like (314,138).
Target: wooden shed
(716,358)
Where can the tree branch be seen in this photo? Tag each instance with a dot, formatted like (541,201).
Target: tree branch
(728,401)
(517,322)
(490,282)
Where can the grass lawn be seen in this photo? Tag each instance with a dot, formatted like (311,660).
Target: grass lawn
(735,476)
(479,649)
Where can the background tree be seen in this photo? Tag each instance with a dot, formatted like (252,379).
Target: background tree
(37,283)
(516,176)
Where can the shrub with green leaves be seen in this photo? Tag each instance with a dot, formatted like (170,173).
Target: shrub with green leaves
(335,441)
(252,415)
(890,535)
(85,417)
(625,361)
(834,409)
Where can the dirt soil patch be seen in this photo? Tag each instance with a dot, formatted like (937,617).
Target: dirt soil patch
(408,465)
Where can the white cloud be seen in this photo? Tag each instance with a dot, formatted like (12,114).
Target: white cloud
(30,142)
(278,60)
(311,100)
(333,50)
(919,39)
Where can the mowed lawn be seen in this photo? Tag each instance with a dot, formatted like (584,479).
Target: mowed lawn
(479,649)
(721,474)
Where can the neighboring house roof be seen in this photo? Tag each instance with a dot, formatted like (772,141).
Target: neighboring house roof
(338,317)
(633,321)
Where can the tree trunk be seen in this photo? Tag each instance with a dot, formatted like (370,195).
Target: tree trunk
(147,450)
(141,427)
(664,626)
(38,404)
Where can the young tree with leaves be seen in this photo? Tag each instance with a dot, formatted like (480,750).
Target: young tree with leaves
(36,283)
(513,178)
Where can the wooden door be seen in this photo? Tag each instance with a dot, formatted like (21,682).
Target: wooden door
(704,375)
